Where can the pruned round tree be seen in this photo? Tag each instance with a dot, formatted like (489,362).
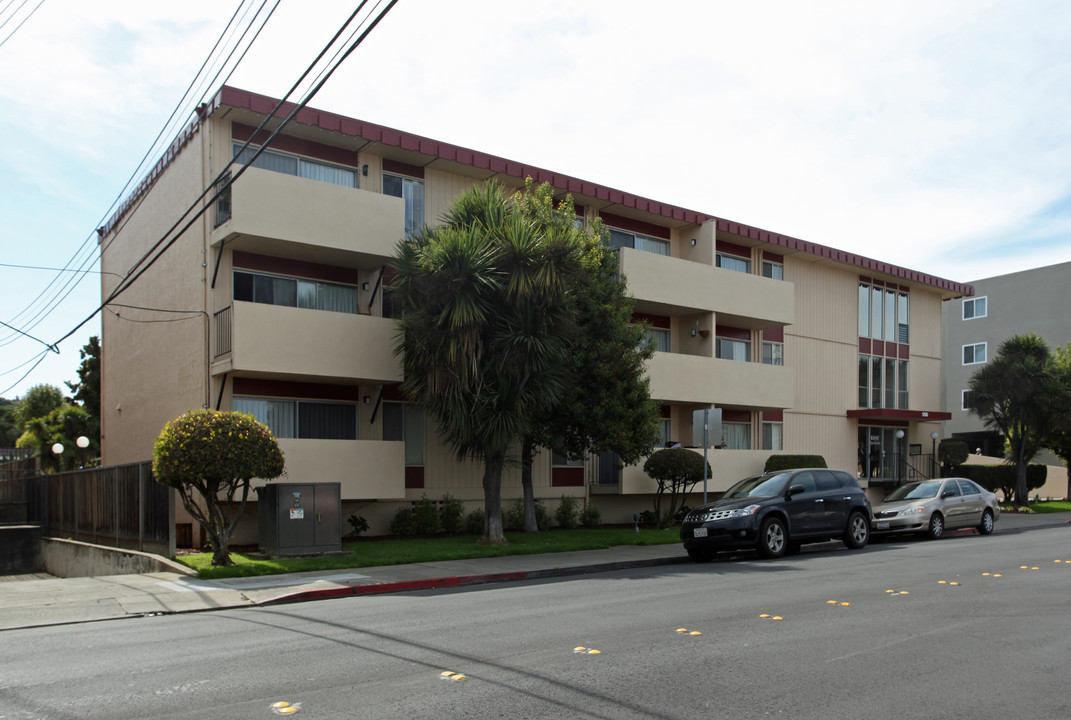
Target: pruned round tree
(208,456)
(676,470)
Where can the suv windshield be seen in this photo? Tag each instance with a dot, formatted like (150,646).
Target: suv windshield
(915,491)
(759,486)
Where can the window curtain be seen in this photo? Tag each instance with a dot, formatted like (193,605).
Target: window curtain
(327,173)
(737,435)
(279,415)
(327,421)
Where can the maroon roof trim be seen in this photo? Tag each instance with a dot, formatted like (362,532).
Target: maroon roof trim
(233,97)
(891,414)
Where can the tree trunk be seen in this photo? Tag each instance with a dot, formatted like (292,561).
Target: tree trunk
(492,499)
(531,525)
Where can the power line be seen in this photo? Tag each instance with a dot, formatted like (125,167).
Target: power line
(39,4)
(132,276)
(54,301)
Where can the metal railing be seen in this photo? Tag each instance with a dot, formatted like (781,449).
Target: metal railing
(121,506)
(221,322)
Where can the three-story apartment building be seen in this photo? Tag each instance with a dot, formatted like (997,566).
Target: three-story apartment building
(277,308)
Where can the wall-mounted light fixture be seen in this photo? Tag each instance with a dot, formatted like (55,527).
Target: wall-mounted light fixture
(364,170)
(693,242)
(694,331)
(367,399)
(364,286)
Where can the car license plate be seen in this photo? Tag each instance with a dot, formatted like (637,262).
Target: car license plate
(882,525)
(699,532)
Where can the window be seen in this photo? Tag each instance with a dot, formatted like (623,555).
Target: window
(410,190)
(294,165)
(772,436)
(292,292)
(303,418)
(974,308)
(974,354)
(728,349)
(773,353)
(404,422)
(559,460)
(620,239)
(737,436)
(883,382)
(664,429)
(732,262)
(966,400)
(773,270)
(659,338)
(883,314)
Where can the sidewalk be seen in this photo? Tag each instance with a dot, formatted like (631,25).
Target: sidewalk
(59,601)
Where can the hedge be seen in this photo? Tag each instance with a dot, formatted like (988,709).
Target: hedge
(1002,477)
(775,463)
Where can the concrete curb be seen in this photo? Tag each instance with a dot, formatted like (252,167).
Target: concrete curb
(463,580)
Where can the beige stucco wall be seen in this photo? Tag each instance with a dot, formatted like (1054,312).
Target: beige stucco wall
(159,370)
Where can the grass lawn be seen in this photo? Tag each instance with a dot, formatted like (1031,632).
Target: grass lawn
(372,552)
(1051,506)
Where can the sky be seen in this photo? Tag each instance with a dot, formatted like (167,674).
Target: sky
(931,134)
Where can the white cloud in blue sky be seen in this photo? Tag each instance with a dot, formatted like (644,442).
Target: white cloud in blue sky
(929,134)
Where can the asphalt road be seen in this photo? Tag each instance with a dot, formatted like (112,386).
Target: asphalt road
(837,644)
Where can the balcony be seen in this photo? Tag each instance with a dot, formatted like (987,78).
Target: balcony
(673,286)
(677,378)
(367,469)
(305,344)
(277,214)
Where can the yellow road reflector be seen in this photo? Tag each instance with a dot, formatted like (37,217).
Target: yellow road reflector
(954,583)
(290,710)
(1022,567)
(778,617)
(985,574)
(845,604)
(594,652)
(682,630)
(1057,561)
(904,592)
(832,602)
(695,632)
(458,677)
(942,582)
(280,704)
(579,649)
(998,575)
(1035,568)
(890,591)
(445,674)
(764,615)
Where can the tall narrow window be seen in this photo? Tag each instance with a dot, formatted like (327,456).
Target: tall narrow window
(775,271)
(410,190)
(864,381)
(737,435)
(773,353)
(659,338)
(864,310)
(772,436)
(404,422)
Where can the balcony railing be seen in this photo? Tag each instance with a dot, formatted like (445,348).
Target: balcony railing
(222,327)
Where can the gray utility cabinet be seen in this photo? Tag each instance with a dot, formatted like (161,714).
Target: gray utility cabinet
(300,519)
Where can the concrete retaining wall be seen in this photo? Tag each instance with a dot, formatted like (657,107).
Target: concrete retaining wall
(70,558)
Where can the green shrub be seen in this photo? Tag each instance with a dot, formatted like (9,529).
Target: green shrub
(590,516)
(648,517)
(776,463)
(475,521)
(451,514)
(426,515)
(513,519)
(1001,478)
(565,515)
(404,522)
(951,453)
(358,525)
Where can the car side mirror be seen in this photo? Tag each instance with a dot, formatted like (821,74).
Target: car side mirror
(795,490)
(947,494)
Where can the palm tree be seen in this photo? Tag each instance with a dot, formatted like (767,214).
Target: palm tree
(484,312)
(1018,394)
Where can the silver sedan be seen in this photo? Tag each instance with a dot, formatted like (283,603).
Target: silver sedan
(933,506)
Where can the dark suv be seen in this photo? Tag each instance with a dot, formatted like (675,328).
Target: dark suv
(777,512)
